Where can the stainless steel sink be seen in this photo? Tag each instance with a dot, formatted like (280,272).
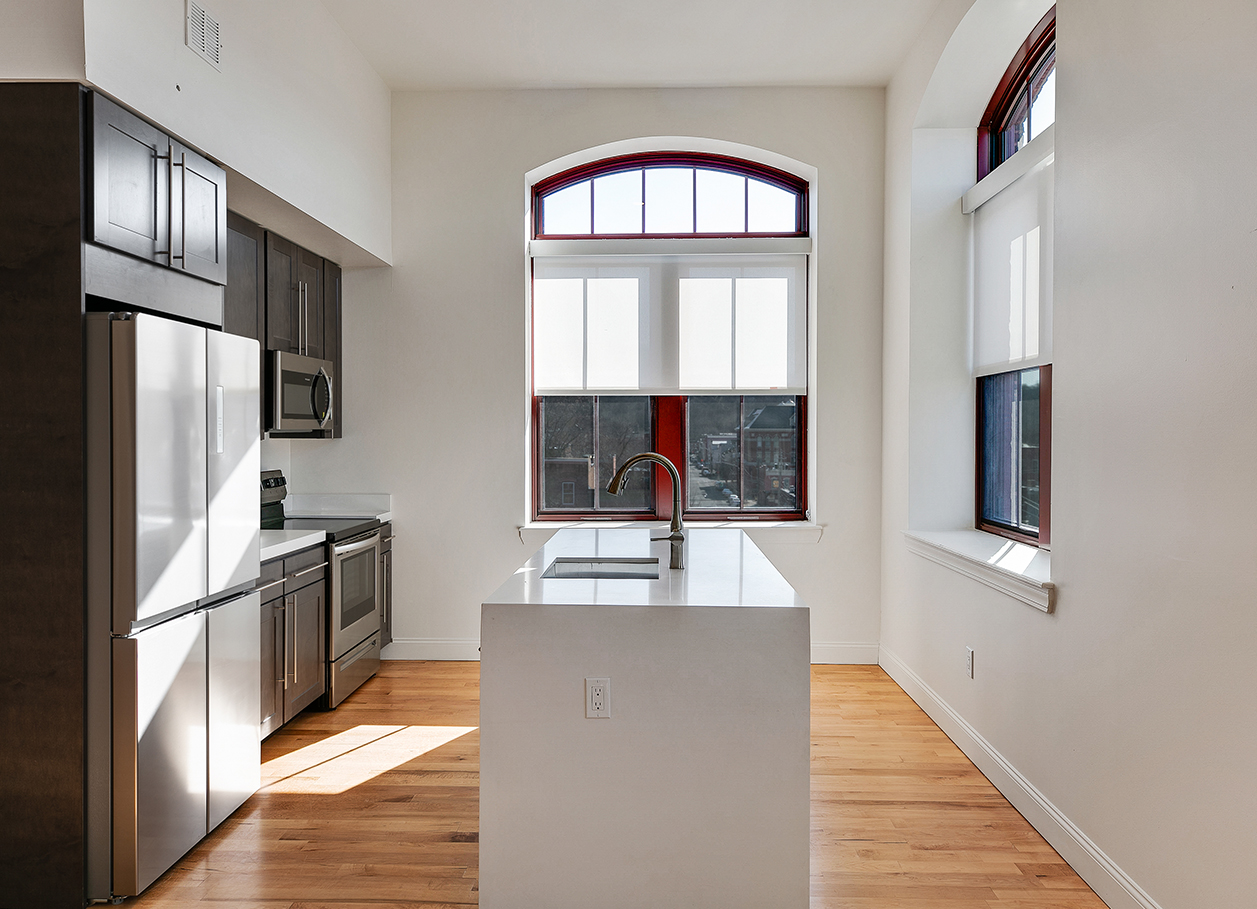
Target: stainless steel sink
(609,568)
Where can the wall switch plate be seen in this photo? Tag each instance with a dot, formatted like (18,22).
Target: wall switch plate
(597,698)
(969,661)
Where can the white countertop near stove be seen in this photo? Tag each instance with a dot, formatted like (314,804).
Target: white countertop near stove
(276,543)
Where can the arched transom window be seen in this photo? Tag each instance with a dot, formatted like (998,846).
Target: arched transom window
(671,195)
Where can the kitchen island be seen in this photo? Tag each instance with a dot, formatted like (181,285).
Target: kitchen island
(693,789)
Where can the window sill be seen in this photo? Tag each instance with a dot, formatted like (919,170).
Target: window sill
(535,533)
(1020,571)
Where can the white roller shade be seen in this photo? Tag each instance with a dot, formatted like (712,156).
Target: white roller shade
(1012,290)
(670,325)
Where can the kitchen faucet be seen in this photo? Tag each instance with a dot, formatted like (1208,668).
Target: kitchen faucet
(677,536)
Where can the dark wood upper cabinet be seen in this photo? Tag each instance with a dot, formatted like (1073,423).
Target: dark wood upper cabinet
(155,198)
(283,328)
(244,302)
(332,338)
(198,221)
(310,303)
(130,183)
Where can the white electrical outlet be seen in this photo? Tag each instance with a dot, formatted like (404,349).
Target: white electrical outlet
(597,698)
(969,661)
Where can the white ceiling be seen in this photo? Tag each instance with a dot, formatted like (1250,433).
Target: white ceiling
(475,44)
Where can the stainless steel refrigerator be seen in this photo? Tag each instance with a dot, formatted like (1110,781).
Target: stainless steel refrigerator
(173,624)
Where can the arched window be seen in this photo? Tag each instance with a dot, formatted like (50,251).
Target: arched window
(668,194)
(1012,294)
(1024,104)
(667,315)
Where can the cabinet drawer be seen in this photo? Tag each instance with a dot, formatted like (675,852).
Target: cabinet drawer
(304,568)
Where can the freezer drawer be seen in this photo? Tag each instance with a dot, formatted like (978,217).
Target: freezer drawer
(159,749)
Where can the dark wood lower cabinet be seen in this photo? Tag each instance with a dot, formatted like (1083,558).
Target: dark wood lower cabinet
(273,646)
(294,638)
(386,585)
(305,621)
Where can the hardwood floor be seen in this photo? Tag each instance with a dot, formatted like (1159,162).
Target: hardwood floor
(375,805)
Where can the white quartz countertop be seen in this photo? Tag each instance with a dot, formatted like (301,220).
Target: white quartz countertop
(276,543)
(723,568)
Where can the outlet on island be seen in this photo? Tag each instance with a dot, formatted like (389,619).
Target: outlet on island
(597,698)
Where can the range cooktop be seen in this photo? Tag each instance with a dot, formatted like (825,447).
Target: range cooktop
(336,528)
(275,490)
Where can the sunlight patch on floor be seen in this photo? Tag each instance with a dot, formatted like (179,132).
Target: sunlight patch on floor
(340,762)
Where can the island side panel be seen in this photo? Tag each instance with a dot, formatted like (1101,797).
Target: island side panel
(694,792)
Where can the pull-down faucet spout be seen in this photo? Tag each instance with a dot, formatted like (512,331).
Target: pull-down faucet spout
(677,535)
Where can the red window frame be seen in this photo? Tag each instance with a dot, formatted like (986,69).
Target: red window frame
(1018,80)
(648,160)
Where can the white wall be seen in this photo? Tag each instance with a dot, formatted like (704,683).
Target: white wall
(41,40)
(1122,724)
(435,393)
(295,109)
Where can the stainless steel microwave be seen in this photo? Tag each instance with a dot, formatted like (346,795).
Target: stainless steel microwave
(302,392)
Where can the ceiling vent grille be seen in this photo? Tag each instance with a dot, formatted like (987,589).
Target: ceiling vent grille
(203,36)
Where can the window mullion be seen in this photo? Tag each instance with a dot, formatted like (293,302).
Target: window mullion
(597,459)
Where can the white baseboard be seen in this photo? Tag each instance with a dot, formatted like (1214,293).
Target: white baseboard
(839,653)
(432,649)
(1111,883)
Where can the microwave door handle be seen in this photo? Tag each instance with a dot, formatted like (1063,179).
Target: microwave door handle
(321,417)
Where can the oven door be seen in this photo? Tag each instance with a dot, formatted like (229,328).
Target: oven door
(302,392)
(355,596)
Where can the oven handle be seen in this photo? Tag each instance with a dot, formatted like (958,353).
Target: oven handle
(340,549)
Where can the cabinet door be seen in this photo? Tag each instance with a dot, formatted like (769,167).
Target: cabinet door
(306,637)
(282,322)
(310,301)
(198,222)
(243,301)
(332,338)
(272,675)
(386,593)
(130,183)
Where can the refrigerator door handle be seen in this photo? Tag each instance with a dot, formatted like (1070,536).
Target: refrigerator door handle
(219,409)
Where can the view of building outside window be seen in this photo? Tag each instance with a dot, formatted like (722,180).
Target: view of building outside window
(581,431)
(743,452)
(1010,449)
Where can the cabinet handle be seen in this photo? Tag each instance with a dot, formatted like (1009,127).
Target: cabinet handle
(287,629)
(305,312)
(307,571)
(280,632)
(266,587)
(169,157)
(301,325)
(295,666)
(183,207)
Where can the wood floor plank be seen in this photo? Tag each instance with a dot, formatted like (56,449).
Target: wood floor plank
(375,805)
